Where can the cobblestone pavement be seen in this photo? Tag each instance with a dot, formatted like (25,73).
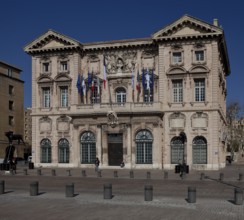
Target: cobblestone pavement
(214,198)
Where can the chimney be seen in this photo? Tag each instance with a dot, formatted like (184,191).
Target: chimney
(216,22)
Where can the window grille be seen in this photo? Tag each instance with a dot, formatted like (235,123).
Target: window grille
(199,150)
(88,148)
(177,150)
(63,147)
(46,151)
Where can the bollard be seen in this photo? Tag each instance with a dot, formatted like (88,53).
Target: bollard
(53,172)
(25,172)
(115,174)
(107,191)
(69,190)
(99,173)
(39,172)
(221,177)
(148,175)
(148,193)
(69,172)
(131,174)
(240,177)
(238,196)
(2,186)
(202,176)
(34,188)
(83,173)
(166,175)
(191,194)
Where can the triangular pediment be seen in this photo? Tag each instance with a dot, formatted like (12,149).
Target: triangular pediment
(51,40)
(185,26)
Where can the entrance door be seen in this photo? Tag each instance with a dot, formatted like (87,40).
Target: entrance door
(115,149)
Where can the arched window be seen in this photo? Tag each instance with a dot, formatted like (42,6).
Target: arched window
(120,95)
(199,150)
(63,151)
(144,141)
(88,147)
(177,150)
(46,151)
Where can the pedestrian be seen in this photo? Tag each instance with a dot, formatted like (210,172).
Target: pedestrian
(97,162)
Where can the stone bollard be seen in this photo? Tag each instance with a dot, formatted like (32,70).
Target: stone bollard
(148,175)
(69,190)
(39,172)
(99,173)
(34,188)
(191,194)
(69,172)
(240,177)
(53,172)
(148,193)
(2,186)
(115,174)
(131,174)
(202,176)
(238,196)
(25,172)
(166,175)
(107,191)
(83,172)
(221,177)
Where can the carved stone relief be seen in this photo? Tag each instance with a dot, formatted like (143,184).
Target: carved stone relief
(199,120)
(177,120)
(120,62)
(63,124)
(93,63)
(148,59)
(45,124)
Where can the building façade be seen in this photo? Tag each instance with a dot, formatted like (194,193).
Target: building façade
(151,102)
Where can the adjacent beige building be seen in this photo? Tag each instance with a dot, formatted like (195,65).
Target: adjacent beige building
(151,102)
(11,106)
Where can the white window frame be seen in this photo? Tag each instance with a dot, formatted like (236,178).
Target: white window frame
(46,92)
(200,90)
(199,56)
(121,95)
(64,96)
(177,60)
(177,90)
(63,66)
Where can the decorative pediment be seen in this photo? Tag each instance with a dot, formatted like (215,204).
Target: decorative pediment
(176,70)
(62,77)
(199,69)
(44,79)
(187,25)
(51,41)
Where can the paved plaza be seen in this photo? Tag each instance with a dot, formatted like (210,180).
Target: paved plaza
(214,198)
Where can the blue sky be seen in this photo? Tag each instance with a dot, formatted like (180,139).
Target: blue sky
(89,21)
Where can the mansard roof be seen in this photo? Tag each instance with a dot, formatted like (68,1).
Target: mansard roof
(51,41)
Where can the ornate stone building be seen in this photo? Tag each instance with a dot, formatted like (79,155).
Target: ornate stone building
(151,102)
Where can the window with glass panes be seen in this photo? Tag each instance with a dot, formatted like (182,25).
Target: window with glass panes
(63,151)
(177,57)
(199,90)
(177,150)
(120,95)
(199,150)
(88,148)
(95,98)
(63,66)
(46,67)
(144,142)
(64,96)
(46,151)
(199,55)
(46,97)
(177,90)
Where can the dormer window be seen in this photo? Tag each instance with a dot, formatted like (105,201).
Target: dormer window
(177,58)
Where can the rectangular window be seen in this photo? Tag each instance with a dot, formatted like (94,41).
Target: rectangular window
(177,57)
(46,67)
(11,120)
(64,96)
(11,105)
(148,96)
(95,98)
(46,97)
(63,66)
(10,72)
(200,90)
(177,91)
(199,55)
(10,90)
